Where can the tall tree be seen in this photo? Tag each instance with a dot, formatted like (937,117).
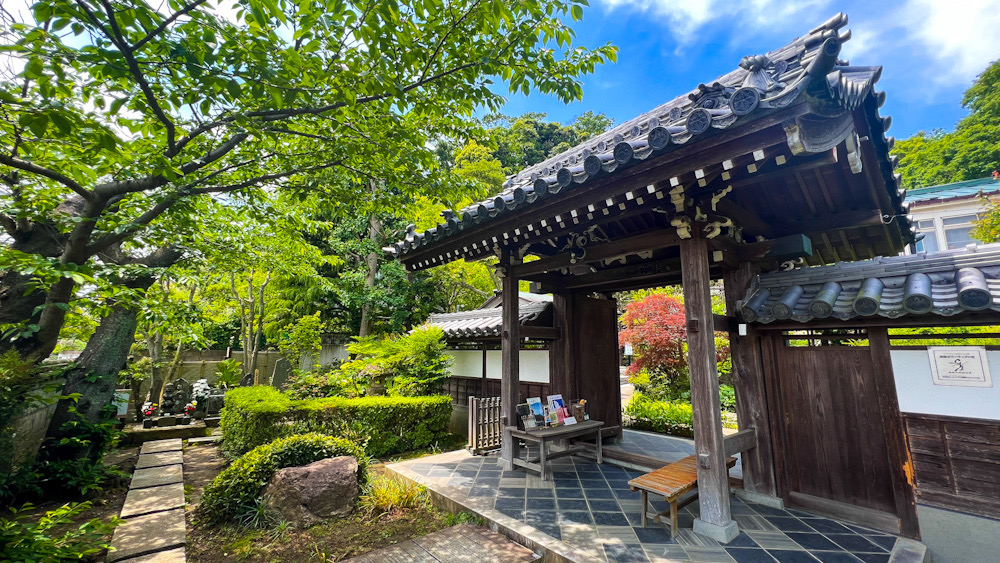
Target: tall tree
(971,151)
(125,111)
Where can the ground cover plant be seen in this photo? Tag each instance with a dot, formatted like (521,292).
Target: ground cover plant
(383,425)
(234,495)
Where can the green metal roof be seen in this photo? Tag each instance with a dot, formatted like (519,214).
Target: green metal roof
(954,190)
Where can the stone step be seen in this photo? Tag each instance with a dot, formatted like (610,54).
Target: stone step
(158,459)
(157,446)
(143,535)
(205,440)
(153,499)
(156,476)
(177,555)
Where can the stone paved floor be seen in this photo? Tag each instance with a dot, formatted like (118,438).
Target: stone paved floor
(590,508)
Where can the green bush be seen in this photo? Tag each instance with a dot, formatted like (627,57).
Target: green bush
(727,396)
(388,493)
(410,365)
(235,493)
(385,425)
(21,540)
(643,413)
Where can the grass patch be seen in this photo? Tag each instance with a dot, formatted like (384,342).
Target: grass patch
(334,540)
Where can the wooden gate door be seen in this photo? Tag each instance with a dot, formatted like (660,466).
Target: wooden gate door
(832,454)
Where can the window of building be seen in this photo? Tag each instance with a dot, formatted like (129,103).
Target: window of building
(958,230)
(930,242)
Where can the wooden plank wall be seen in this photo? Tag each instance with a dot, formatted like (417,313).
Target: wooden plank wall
(956,462)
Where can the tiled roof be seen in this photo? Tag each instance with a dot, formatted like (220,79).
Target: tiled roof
(761,83)
(943,283)
(480,323)
(956,190)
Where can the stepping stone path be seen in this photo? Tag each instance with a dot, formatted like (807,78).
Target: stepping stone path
(154,529)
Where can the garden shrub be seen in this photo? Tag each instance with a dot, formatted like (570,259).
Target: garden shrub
(235,492)
(386,425)
(644,413)
(413,364)
(727,396)
(24,540)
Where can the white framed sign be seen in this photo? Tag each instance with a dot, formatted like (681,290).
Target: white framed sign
(962,366)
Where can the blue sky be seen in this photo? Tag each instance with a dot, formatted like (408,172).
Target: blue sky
(931,51)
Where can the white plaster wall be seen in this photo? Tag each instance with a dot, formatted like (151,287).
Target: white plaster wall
(469,363)
(918,394)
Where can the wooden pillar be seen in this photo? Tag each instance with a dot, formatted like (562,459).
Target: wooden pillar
(510,378)
(751,402)
(895,432)
(713,480)
(562,351)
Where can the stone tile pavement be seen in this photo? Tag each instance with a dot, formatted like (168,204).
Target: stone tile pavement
(588,513)
(155,528)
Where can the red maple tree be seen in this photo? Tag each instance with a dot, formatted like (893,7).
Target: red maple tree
(656,328)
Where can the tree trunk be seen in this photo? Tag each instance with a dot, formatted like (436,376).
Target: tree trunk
(154,342)
(97,370)
(371,262)
(94,379)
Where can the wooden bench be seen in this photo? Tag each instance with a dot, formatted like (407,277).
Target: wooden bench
(672,481)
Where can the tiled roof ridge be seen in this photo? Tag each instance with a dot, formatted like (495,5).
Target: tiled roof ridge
(761,82)
(524,309)
(628,131)
(944,283)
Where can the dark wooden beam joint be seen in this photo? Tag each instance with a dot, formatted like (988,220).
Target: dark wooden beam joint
(694,326)
(541,332)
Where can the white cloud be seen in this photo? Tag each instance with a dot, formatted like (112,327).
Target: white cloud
(960,37)
(685,18)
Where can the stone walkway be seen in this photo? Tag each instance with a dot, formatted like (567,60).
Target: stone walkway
(588,513)
(154,527)
(465,542)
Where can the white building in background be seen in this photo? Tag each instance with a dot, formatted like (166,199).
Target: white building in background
(945,214)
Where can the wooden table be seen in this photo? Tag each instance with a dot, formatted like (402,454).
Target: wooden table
(542,437)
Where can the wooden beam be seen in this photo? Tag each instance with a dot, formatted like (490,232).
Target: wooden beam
(723,323)
(510,354)
(748,381)
(713,479)
(604,251)
(540,332)
(631,272)
(783,248)
(743,441)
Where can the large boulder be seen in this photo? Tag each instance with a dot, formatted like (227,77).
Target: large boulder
(312,493)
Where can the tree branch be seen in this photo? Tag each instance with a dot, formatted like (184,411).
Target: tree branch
(152,182)
(159,29)
(265,178)
(8,224)
(119,40)
(26,166)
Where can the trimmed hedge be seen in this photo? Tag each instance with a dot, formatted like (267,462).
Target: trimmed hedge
(235,491)
(643,413)
(384,425)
